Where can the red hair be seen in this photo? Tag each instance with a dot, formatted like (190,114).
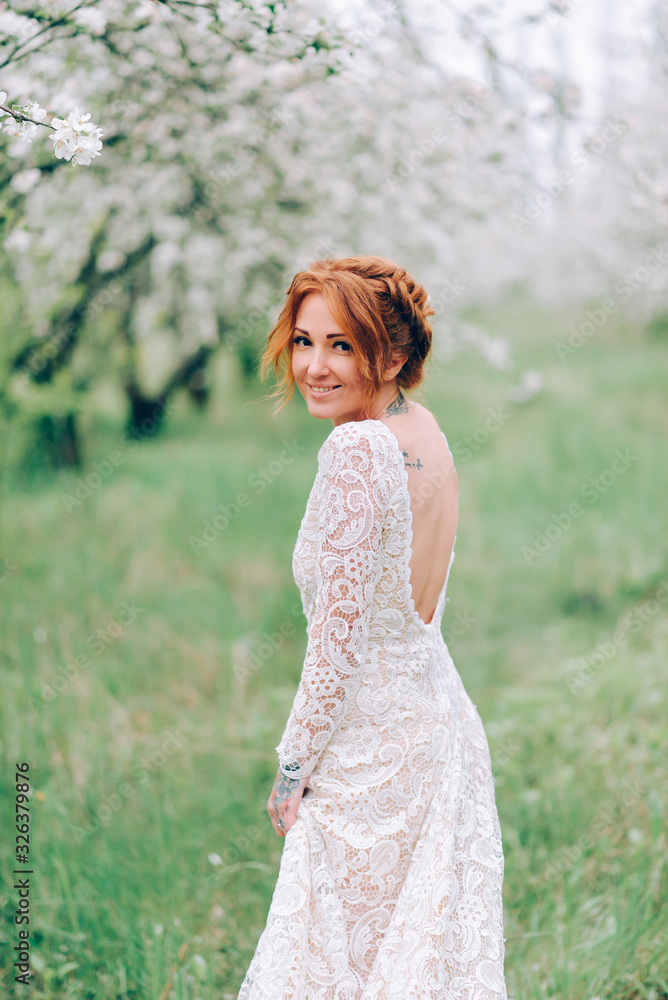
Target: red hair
(378,306)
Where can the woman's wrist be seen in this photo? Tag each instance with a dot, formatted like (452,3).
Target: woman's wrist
(284,788)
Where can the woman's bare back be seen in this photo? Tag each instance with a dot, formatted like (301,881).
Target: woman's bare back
(434,496)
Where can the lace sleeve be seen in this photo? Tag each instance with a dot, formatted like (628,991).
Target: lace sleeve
(353,485)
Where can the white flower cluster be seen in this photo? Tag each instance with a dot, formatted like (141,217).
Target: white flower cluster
(74,138)
(23,130)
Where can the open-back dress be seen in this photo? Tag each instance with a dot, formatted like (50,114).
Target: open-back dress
(390,880)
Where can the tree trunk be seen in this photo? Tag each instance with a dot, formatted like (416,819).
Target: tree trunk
(59,438)
(146,414)
(199,388)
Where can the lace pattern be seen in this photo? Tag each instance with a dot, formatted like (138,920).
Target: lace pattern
(344,564)
(390,880)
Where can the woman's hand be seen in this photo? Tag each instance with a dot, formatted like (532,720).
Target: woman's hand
(284,801)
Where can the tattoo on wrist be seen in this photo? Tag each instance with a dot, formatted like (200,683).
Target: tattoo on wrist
(285,788)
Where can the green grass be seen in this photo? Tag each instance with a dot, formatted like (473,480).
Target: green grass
(155,748)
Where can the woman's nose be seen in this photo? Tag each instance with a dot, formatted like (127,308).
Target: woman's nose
(317,364)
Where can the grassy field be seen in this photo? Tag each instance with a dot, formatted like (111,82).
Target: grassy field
(149,665)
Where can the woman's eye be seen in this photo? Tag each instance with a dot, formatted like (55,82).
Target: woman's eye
(343,345)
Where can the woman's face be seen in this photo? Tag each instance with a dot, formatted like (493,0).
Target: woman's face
(324,366)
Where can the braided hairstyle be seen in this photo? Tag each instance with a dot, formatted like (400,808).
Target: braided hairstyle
(382,310)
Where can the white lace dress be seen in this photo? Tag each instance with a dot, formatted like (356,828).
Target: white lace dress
(390,880)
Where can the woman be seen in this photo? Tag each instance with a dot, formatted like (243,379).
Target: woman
(391,873)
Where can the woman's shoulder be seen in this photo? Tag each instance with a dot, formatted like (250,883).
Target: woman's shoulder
(424,417)
(354,431)
(416,423)
(370,438)
(423,425)
(418,433)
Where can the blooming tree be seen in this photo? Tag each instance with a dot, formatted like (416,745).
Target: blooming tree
(241,139)
(169,227)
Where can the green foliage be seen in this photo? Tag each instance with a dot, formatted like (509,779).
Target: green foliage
(658,326)
(157,751)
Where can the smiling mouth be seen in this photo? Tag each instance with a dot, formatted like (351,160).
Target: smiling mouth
(323,389)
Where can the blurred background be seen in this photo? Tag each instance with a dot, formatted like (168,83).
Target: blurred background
(512,156)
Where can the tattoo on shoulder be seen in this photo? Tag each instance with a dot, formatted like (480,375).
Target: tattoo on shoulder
(417,464)
(398,405)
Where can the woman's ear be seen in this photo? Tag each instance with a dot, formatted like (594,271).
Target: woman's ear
(395,368)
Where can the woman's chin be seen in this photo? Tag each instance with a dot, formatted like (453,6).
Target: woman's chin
(324,409)
(321,412)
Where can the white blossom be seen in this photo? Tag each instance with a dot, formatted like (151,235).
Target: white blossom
(19,240)
(76,138)
(33,110)
(79,122)
(17,26)
(531,384)
(20,130)
(25,180)
(92,19)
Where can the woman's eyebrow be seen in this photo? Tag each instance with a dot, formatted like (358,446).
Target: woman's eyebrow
(327,336)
